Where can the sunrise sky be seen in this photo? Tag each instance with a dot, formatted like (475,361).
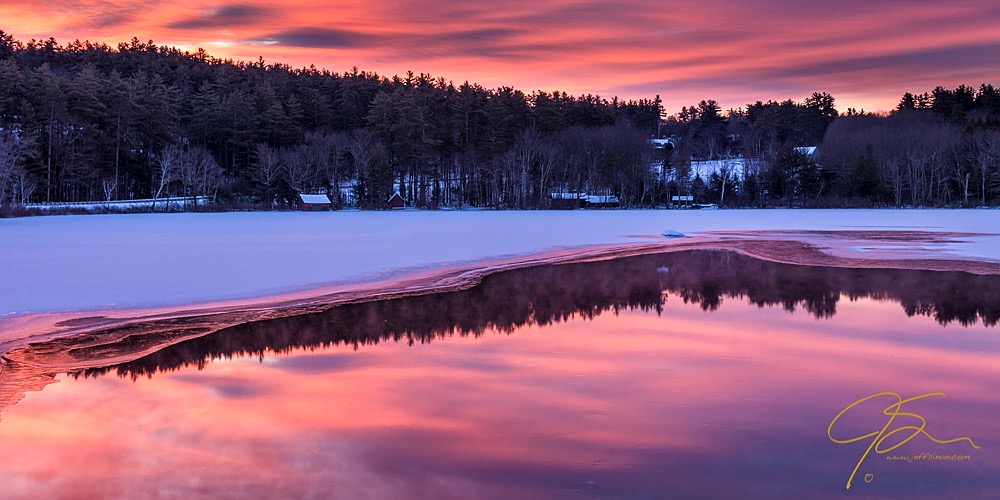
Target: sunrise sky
(864,52)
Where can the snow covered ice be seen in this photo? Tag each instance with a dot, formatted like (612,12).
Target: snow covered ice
(89,262)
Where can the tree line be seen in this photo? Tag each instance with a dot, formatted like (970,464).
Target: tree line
(940,148)
(86,121)
(545,295)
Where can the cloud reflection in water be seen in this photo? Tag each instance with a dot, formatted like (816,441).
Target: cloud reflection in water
(599,379)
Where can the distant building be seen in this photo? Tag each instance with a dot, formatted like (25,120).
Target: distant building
(806,151)
(682,200)
(396,202)
(667,144)
(602,201)
(570,201)
(314,202)
(567,201)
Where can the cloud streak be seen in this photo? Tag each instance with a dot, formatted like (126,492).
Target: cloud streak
(225,16)
(866,53)
(317,38)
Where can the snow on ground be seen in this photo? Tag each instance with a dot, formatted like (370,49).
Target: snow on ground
(90,262)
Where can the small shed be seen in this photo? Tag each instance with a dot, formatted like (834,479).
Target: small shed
(396,202)
(314,202)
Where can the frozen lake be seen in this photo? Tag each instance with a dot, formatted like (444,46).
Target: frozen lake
(100,262)
(695,374)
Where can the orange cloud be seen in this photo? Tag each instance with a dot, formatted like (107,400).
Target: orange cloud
(865,53)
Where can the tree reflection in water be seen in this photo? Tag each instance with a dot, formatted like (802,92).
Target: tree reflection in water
(546,294)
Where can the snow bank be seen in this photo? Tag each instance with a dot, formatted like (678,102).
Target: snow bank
(74,263)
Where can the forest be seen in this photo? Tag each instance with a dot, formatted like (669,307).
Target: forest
(86,121)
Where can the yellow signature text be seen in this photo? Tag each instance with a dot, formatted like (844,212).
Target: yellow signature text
(893,411)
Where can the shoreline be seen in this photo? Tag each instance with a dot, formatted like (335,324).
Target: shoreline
(45,327)
(147,330)
(105,338)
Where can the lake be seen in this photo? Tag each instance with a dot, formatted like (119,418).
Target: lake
(696,374)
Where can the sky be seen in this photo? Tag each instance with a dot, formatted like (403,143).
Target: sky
(866,53)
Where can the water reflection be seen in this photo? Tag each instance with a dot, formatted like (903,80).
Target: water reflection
(549,294)
(605,379)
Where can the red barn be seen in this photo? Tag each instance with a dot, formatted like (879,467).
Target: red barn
(314,202)
(396,202)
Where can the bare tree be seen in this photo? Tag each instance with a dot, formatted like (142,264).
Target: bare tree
(199,173)
(371,161)
(24,185)
(299,166)
(361,148)
(10,159)
(986,158)
(961,174)
(211,174)
(267,172)
(168,165)
(526,151)
(914,152)
(110,186)
(328,151)
(548,159)
(13,176)
(725,172)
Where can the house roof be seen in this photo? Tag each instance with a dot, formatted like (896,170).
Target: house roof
(662,143)
(394,195)
(584,196)
(314,199)
(603,199)
(567,196)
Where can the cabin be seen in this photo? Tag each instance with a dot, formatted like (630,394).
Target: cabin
(396,202)
(314,203)
(566,201)
(571,201)
(682,201)
(602,201)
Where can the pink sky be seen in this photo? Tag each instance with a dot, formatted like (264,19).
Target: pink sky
(389,419)
(867,54)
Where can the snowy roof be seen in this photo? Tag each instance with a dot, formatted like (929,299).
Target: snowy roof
(567,196)
(314,199)
(591,198)
(808,151)
(602,199)
(662,143)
